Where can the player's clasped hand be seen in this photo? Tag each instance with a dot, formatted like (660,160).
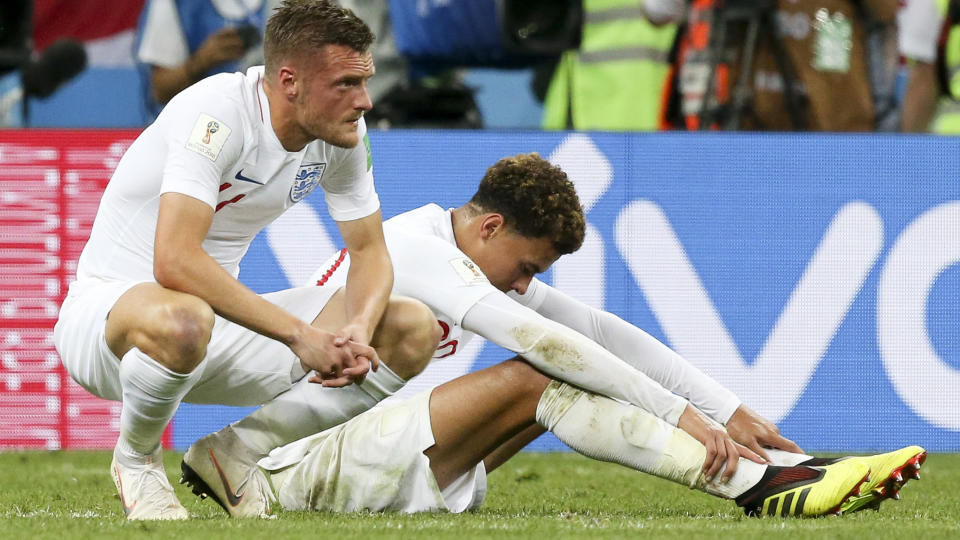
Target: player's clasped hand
(334,360)
(363,358)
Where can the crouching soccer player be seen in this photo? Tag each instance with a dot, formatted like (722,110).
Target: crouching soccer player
(474,267)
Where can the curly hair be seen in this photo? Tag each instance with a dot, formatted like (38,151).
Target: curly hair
(309,25)
(536,199)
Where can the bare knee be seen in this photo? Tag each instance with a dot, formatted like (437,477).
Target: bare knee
(407,336)
(178,333)
(517,373)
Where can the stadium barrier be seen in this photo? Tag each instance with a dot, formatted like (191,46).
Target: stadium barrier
(814,275)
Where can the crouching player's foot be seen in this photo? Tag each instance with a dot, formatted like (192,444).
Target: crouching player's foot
(804,491)
(889,472)
(221,466)
(144,490)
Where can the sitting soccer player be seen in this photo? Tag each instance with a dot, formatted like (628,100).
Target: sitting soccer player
(474,267)
(433,451)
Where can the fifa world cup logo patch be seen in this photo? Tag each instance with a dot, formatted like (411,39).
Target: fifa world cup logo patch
(212,127)
(208,136)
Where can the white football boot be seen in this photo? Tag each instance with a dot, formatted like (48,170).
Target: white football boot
(221,466)
(145,492)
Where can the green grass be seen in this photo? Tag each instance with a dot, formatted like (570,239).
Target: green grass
(68,495)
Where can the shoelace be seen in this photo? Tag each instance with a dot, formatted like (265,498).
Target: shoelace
(157,485)
(256,477)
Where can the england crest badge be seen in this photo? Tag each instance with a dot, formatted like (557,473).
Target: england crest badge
(307,178)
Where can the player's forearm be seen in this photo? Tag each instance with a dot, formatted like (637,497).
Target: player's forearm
(369,281)
(662,364)
(567,355)
(640,350)
(196,273)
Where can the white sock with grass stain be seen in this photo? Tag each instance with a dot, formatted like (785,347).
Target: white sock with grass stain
(310,408)
(609,430)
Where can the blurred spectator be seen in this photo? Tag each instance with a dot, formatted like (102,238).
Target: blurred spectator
(928,52)
(805,68)
(390,65)
(886,75)
(616,79)
(404,96)
(183,41)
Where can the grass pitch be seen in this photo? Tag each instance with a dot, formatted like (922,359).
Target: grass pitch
(68,495)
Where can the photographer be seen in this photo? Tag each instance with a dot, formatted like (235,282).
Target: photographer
(807,66)
(180,42)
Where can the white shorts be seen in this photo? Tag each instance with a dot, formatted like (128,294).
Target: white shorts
(242,367)
(373,462)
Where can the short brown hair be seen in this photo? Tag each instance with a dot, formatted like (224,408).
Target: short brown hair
(536,199)
(309,25)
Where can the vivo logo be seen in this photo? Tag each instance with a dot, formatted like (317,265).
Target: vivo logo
(817,306)
(795,346)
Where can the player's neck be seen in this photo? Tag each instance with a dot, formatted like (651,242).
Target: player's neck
(460,219)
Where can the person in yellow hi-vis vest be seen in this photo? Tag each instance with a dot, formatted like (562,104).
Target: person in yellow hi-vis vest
(930,41)
(616,79)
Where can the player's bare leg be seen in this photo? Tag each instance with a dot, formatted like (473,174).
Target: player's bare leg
(510,448)
(161,336)
(474,415)
(223,464)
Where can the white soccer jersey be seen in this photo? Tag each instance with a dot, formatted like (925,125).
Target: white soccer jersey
(428,266)
(214,142)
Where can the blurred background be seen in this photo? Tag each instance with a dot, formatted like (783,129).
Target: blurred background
(803,250)
(805,65)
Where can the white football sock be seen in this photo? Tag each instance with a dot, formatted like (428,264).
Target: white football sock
(151,394)
(609,430)
(783,458)
(309,408)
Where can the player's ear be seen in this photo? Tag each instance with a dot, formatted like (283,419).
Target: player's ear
(491,225)
(289,82)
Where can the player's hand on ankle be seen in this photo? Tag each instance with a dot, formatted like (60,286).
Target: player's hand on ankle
(756,432)
(722,452)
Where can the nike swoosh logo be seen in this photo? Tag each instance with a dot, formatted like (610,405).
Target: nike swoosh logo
(232,497)
(240,176)
(123,500)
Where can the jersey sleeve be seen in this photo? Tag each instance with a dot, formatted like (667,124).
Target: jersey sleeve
(635,347)
(567,355)
(436,273)
(349,189)
(204,134)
